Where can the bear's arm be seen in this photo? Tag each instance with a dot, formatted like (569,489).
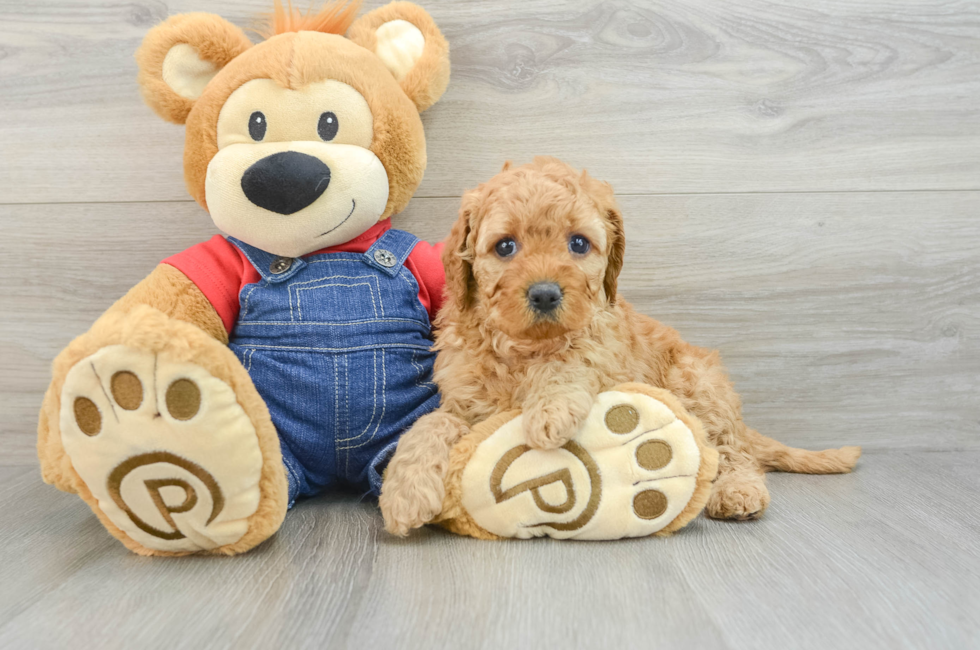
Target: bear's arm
(199,285)
(170,291)
(220,270)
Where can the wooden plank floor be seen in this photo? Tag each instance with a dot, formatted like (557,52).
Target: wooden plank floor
(801,186)
(887,557)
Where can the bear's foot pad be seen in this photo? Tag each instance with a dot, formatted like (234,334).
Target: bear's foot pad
(629,472)
(165,449)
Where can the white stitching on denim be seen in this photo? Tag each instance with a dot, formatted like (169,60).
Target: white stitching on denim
(346,396)
(323,283)
(409,278)
(249,352)
(421,370)
(416,304)
(336,408)
(336,391)
(332,323)
(374,408)
(299,304)
(384,406)
(331,277)
(347,417)
(384,393)
(248,296)
(292,473)
(393,346)
(354,258)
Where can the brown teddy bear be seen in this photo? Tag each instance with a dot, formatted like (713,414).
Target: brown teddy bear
(247,372)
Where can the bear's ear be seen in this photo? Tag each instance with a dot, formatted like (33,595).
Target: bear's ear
(180,56)
(410,45)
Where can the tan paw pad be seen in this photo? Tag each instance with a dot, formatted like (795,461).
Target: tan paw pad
(164,447)
(629,472)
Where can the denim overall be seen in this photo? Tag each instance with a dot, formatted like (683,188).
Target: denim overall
(338,346)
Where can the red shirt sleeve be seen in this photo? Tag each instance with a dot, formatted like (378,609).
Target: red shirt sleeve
(425,263)
(220,271)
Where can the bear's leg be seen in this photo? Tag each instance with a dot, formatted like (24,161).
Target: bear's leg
(640,465)
(158,428)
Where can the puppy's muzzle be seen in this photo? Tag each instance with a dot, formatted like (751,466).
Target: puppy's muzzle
(285,182)
(544,297)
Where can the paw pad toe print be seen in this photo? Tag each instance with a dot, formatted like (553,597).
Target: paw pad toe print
(183,401)
(164,447)
(629,472)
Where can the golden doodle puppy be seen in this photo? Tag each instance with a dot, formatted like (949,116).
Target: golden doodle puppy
(532,321)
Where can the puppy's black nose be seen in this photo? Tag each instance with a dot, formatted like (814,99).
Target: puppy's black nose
(285,182)
(544,297)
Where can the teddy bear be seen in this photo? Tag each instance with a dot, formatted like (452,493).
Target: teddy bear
(284,359)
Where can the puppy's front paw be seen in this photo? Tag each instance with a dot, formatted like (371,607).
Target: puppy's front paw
(549,425)
(410,497)
(738,497)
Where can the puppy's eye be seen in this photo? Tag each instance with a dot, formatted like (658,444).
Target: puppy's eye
(327,127)
(579,245)
(256,125)
(505,247)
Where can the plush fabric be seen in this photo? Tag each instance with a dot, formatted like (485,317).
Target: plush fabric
(211,37)
(334,18)
(294,60)
(169,491)
(150,417)
(427,80)
(147,329)
(600,477)
(172,293)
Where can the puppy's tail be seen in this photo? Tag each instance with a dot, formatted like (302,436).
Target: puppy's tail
(777,457)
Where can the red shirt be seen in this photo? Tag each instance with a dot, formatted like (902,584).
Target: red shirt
(220,270)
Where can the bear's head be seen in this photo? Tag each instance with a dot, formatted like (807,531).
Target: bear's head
(309,138)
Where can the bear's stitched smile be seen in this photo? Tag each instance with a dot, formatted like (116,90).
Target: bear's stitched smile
(353,204)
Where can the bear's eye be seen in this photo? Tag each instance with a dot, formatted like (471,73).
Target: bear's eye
(505,247)
(256,126)
(327,128)
(579,244)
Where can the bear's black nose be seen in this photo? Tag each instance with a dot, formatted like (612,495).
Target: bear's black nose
(285,182)
(544,297)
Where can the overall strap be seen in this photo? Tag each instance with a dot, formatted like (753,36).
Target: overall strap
(389,253)
(272,268)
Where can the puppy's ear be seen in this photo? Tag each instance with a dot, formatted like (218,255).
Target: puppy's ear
(604,198)
(180,56)
(617,250)
(457,257)
(410,45)
(506,166)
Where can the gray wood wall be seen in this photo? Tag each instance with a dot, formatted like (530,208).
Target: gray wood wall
(799,179)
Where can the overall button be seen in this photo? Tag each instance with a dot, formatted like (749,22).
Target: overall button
(280,265)
(385,258)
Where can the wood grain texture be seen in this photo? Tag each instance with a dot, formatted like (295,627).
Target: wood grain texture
(697,96)
(843,318)
(800,185)
(875,559)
